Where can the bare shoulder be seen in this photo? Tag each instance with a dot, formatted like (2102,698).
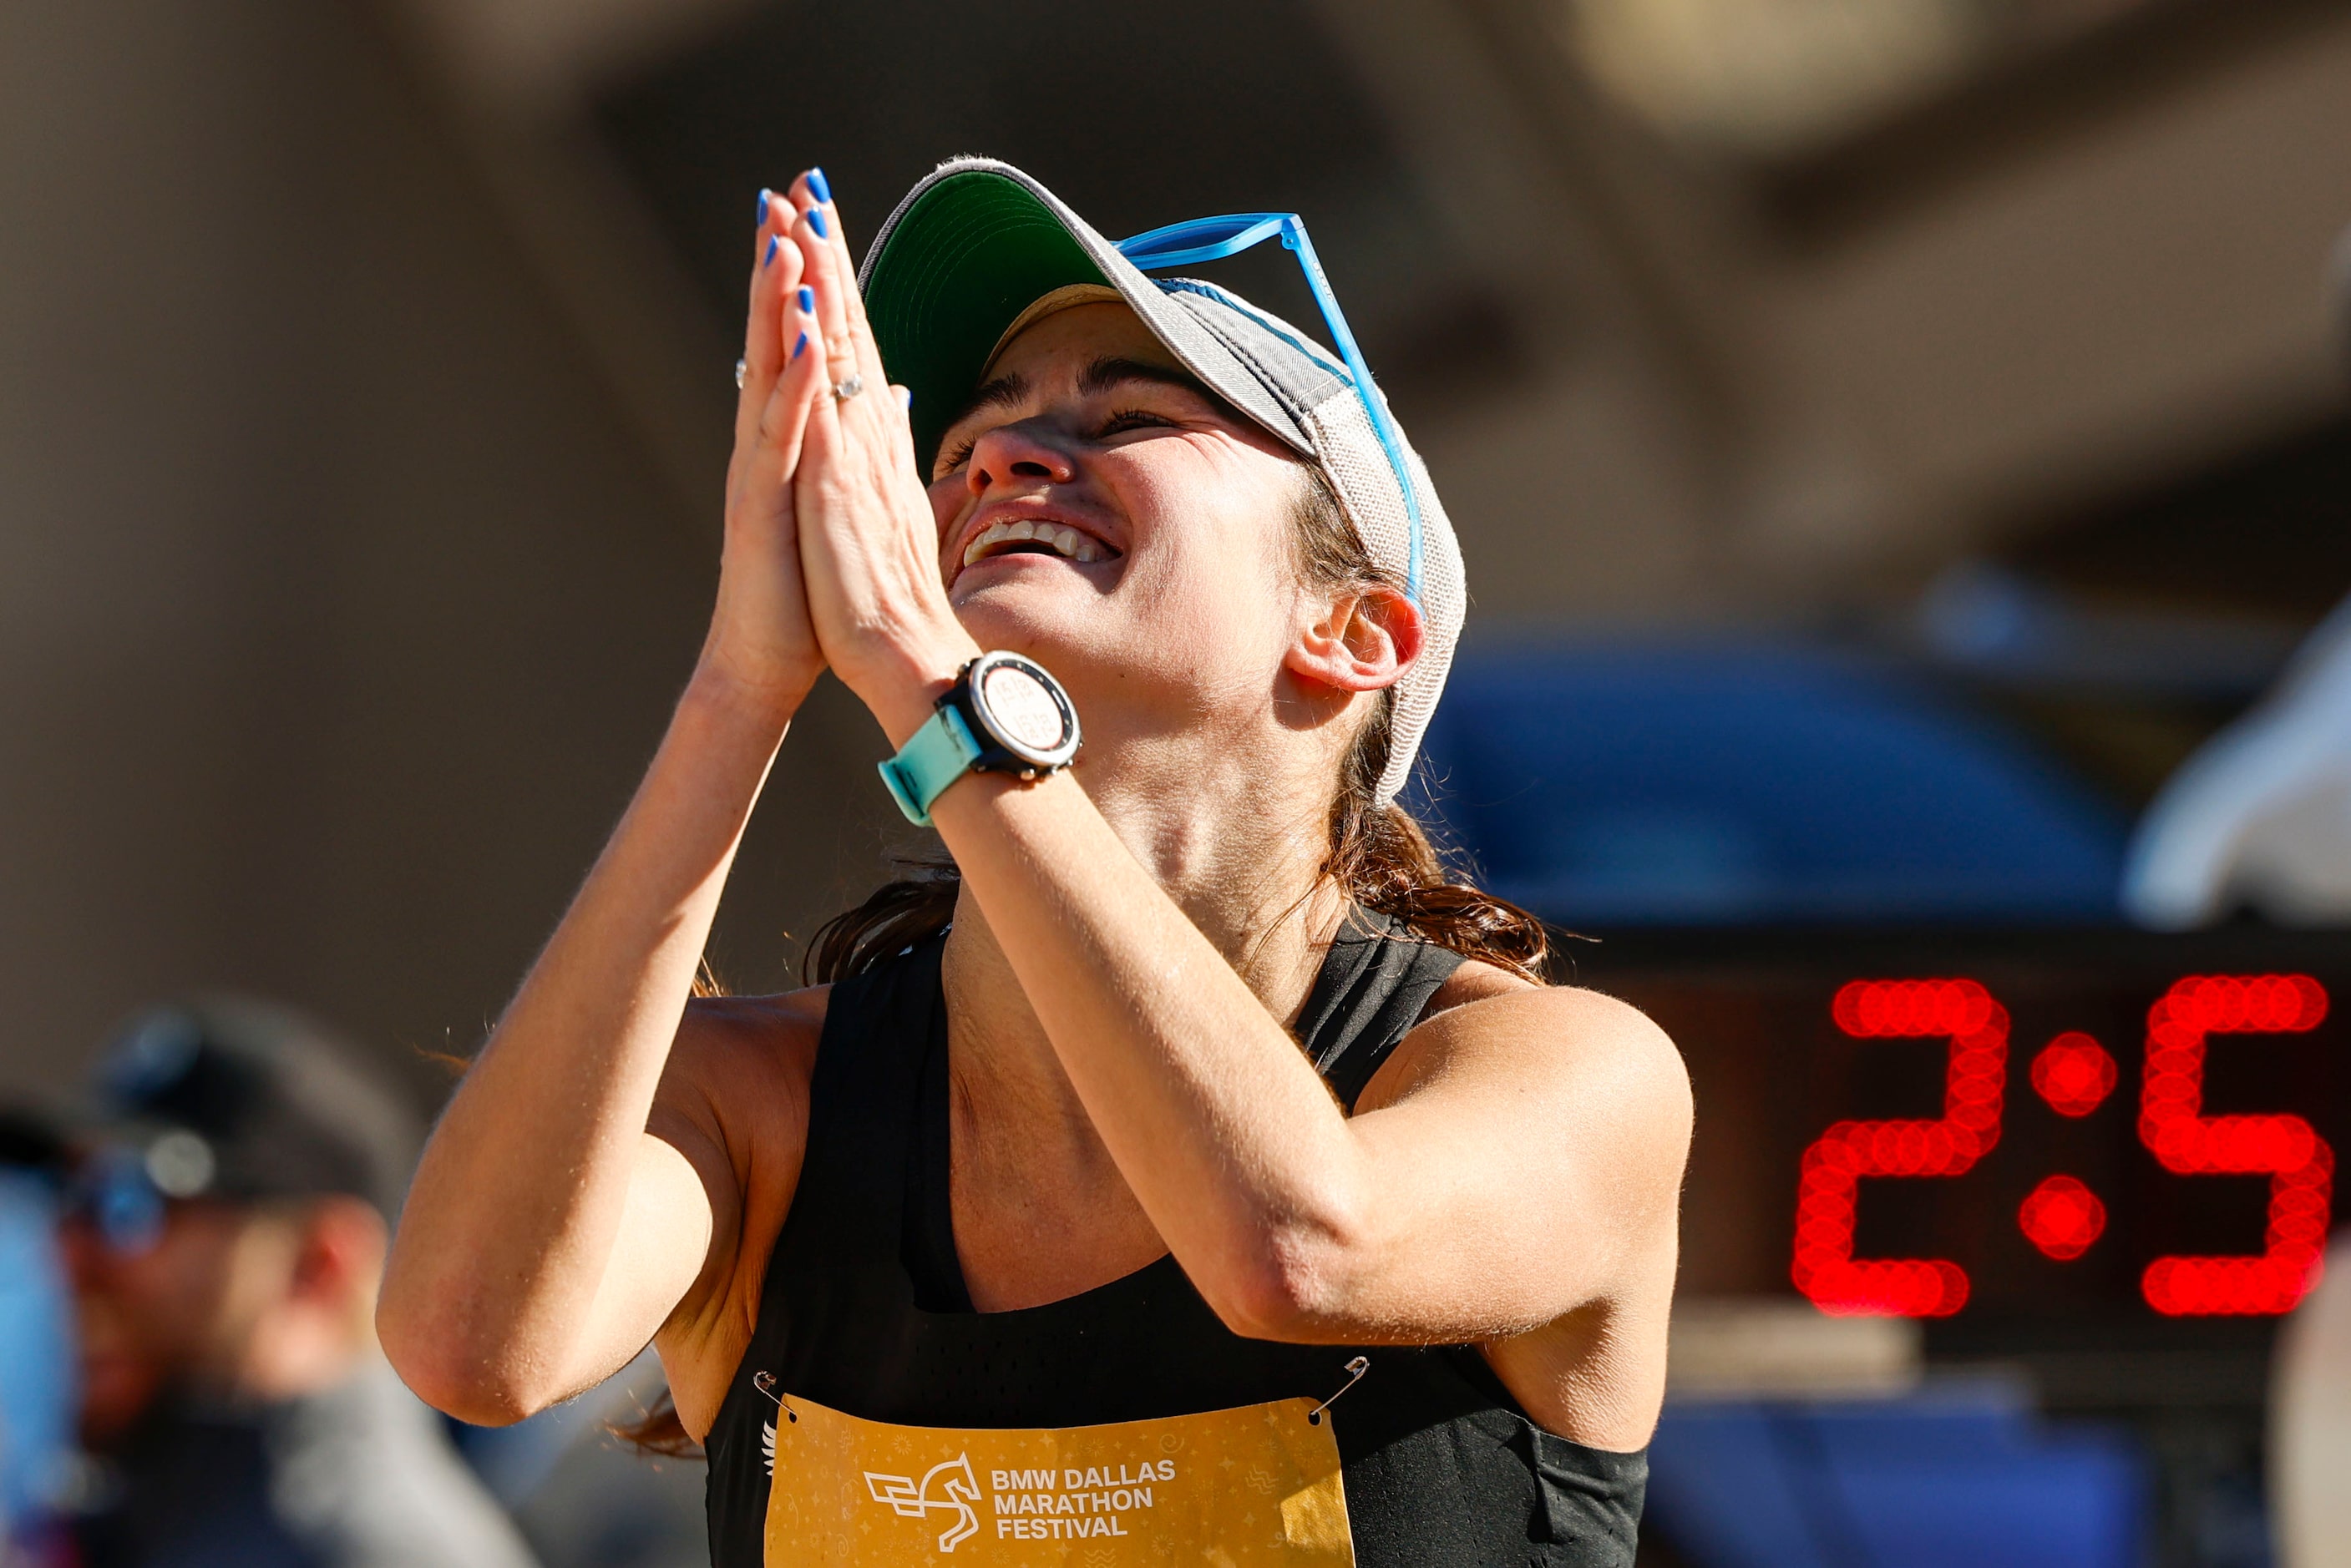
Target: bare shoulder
(1487,1024)
(740,1068)
(753,1035)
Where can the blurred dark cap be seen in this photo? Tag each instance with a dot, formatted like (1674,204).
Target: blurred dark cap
(241,1099)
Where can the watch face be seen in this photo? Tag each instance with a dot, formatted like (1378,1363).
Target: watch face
(1026,709)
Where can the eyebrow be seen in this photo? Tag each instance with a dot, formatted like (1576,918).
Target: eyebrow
(1103,375)
(1110,371)
(1004,392)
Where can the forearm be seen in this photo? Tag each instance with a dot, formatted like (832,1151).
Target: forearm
(509,1230)
(1221,1128)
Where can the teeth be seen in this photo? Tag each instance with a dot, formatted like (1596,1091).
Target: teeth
(1069,542)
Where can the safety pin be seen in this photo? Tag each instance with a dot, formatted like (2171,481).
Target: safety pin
(765,1382)
(1355,1370)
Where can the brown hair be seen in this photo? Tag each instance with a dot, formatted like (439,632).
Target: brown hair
(1380,855)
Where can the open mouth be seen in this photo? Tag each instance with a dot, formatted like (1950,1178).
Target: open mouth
(1029,538)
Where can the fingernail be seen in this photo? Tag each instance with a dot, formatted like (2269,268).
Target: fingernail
(816,221)
(807,300)
(817,187)
(799,346)
(766,197)
(907,399)
(775,243)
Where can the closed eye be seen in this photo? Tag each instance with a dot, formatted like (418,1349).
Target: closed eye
(951,460)
(1133,420)
(954,457)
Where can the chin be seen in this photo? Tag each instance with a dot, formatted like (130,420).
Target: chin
(1052,629)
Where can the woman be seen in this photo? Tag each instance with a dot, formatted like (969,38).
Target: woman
(1037,1226)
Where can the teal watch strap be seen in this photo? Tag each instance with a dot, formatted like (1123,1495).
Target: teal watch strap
(934,757)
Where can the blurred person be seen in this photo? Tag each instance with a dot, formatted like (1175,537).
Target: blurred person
(224,1241)
(1194,1097)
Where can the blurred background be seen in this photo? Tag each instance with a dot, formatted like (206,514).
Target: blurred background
(1900,450)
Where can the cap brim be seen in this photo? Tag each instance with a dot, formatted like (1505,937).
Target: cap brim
(974,246)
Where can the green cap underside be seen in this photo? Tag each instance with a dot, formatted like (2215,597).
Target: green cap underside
(973,253)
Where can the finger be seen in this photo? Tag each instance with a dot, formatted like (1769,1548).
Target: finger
(825,275)
(782,419)
(850,337)
(818,191)
(774,277)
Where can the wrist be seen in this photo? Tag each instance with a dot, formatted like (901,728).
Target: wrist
(759,706)
(905,687)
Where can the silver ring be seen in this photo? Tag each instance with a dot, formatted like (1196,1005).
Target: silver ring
(742,369)
(844,390)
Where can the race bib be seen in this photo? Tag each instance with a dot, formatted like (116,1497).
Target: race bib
(1257,1485)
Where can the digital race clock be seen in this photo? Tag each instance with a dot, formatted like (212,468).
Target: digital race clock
(2019,1126)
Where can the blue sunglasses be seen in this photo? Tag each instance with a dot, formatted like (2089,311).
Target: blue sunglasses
(1213,239)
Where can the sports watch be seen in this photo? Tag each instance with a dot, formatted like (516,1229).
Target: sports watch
(1003,715)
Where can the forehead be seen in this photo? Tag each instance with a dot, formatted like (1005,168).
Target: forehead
(1058,348)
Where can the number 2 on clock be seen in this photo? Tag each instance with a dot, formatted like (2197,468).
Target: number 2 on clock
(1962,1012)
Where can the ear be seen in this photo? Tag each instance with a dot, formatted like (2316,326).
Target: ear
(1363,642)
(341,1252)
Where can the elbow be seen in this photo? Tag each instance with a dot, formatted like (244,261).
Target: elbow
(1296,1282)
(453,1376)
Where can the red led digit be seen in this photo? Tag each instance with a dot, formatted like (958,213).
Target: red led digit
(2171,1123)
(1825,1269)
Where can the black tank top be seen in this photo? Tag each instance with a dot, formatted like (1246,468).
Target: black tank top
(864,1310)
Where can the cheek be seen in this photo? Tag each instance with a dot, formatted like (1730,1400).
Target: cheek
(948,498)
(1216,549)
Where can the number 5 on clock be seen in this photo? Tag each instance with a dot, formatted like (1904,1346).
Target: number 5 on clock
(2172,1125)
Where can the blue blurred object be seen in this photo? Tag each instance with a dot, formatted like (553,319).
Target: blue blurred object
(1740,783)
(36,1354)
(1953,1477)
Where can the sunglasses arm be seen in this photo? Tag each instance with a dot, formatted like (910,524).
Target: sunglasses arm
(1213,239)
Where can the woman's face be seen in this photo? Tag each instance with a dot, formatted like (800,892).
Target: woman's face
(1099,510)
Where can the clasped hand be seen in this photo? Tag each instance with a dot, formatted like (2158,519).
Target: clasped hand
(830,557)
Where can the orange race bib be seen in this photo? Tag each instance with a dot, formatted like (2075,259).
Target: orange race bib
(1253,1486)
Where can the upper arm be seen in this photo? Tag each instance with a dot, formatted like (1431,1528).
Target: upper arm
(1525,1153)
(717,1166)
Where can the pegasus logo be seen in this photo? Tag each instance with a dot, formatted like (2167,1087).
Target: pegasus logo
(958,1489)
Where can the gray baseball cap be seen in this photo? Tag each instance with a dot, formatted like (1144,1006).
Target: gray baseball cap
(978,249)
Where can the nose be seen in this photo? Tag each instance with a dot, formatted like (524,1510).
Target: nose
(1012,453)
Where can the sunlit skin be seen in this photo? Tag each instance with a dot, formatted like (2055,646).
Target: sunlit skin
(228,1301)
(1133,939)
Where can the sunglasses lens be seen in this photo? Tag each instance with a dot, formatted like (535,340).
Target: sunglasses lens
(120,1202)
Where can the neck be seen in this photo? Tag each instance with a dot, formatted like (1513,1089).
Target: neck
(1239,847)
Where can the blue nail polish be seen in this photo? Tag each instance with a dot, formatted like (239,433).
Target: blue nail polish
(817,187)
(766,196)
(807,300)
(799,346)
(816,221)
(775,243)
(907,399)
